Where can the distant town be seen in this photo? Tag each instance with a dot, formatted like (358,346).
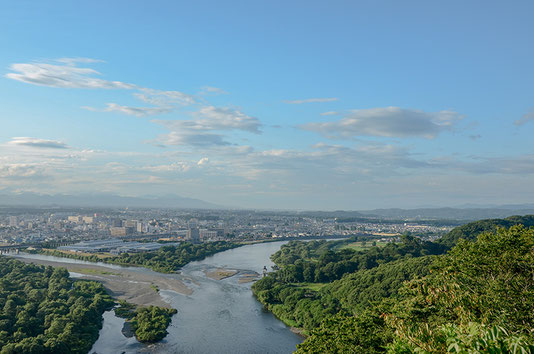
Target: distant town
(64,226)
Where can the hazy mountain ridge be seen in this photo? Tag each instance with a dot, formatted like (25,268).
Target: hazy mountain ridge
(452,213)
(173,201)
(104,200)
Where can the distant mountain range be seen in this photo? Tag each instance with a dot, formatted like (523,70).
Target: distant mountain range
(467,213)
(464,213)
(103,200)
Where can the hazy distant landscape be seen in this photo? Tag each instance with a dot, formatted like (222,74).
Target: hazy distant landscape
(467,212)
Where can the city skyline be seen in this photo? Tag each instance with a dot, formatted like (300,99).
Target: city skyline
(308,105)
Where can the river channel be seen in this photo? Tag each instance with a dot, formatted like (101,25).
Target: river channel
(221,316)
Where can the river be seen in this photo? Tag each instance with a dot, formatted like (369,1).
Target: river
(221,316)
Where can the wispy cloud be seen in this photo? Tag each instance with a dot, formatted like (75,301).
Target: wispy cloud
(67,73)
(190,138)
(387,122)
(313,100)
(163,101)
(224,118)
(330,113)
(38,143)
(203,129)
(20,170)
(63,73)
(73,61)
(129,110)
(527,117)
(212,90)
(164,98)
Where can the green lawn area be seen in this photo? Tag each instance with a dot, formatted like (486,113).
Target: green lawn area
(362,245)
(95,271)
(311,286)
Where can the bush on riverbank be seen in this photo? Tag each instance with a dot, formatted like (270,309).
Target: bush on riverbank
(149,323)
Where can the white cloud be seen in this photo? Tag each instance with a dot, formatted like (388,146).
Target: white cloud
(38,143)
(165,98)
(133,111)
(223,118)
(163,101)
(176,166)
(330,113)
(203,129)
(387,122)
(73,61)
(18,170)
(203,161)
(63,73)
(313,100)
(212,90)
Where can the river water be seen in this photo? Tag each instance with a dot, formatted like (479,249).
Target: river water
(221,316)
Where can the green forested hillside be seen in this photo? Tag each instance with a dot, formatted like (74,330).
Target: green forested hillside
(360,290)
(377,273)
(473,229)
(411,297)
(316,262)
(479,298)
(43,311)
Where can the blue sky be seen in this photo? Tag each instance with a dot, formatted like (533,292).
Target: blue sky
(270,104)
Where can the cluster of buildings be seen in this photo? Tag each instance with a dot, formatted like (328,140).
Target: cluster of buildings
(49,225)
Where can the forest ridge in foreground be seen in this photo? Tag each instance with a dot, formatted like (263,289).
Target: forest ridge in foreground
(454,295)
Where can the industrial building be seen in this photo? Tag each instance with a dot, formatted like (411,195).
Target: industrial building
(114,246)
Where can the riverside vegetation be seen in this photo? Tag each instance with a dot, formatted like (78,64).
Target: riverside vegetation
(42,310)
(148,323)
(167,259)
(472,291)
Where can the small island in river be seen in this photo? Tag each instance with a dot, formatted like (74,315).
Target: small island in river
(220,273)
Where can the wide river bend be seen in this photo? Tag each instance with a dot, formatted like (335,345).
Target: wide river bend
(221,316)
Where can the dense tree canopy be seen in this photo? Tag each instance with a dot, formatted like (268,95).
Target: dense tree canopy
(479,297)
(167,259)
(473,291)
(148,323)
(43,311)
(473,229)
(363,278)
(317,262)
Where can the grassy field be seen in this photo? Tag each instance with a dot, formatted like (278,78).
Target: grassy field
(99,255)
(91,271)
(311,286)
(363,245)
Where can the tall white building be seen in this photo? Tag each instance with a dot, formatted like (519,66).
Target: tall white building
(13,221)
